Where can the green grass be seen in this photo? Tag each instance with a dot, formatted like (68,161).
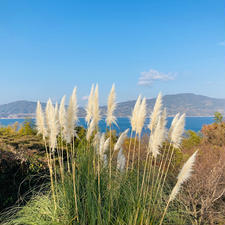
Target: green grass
(117,203)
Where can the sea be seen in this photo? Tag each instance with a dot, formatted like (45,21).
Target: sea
(192,123)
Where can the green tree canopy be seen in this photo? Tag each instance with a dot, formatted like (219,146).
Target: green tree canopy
(218,117)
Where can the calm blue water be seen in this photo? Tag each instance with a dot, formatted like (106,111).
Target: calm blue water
(192,123)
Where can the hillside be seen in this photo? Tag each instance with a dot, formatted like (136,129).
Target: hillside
(191,104)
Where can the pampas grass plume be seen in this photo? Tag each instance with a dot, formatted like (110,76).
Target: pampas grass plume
(155,113)
(141,116)
(173,124)
(134,116)
(121,161)
(96,140)
(48,113)
(56,112)
(89,107)
(96,111)
(163,118)
(71,116)
(120,140)
(178,130)
(106,144)
(183,176)
(110,118)
(90,130)
(62,113)
(101,146)
(52,114)
(156,138)
(40,121)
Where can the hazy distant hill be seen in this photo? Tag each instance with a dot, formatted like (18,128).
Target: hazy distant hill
(18,109)
(21,109)
(191,104)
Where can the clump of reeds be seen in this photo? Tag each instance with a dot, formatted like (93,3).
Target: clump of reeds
(88,185)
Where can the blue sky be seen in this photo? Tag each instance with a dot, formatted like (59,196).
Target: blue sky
(49,46)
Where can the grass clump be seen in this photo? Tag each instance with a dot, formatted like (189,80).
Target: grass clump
(92,180)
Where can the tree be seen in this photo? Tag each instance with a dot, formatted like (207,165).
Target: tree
(218,117)
(27,128)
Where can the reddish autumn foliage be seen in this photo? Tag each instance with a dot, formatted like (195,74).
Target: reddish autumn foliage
(204,195)
(214,134)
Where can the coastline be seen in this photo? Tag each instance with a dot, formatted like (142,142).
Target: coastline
(23,118)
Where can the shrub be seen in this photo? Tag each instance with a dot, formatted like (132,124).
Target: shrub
(27,128)
(218,117)
(192,139)
(204,195)
(214,134)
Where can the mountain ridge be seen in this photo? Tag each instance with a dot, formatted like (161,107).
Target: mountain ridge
(189,103)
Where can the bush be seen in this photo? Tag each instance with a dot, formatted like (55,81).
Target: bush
(214,134)
(191,140)
(27,128)
(204,195)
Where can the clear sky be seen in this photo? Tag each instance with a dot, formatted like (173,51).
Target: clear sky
(49,46)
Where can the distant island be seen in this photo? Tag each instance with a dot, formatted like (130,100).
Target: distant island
(191,104)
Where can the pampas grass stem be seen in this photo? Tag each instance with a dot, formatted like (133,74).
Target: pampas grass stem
(129,149)
(140,124)
(68,158)
(134,149)
(138,166)
(74,188)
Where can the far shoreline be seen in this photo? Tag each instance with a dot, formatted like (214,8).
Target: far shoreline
(23,118)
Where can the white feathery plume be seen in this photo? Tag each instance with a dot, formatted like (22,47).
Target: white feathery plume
(52,114)
(120,140)
(177,132)
(163,118)
(121,161)
(173,124)
(106,144)
(183,176)
(141,116)
(156,138)
(40,121)
(96,140)
(134,116)
(155,113)
(62,114)
(110,118)
(48,113)
(105,160)
(96,111)
(90,130)
(89,107)
(56,113)
(55,126)
(164,121)
(71,117)
(101,146)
